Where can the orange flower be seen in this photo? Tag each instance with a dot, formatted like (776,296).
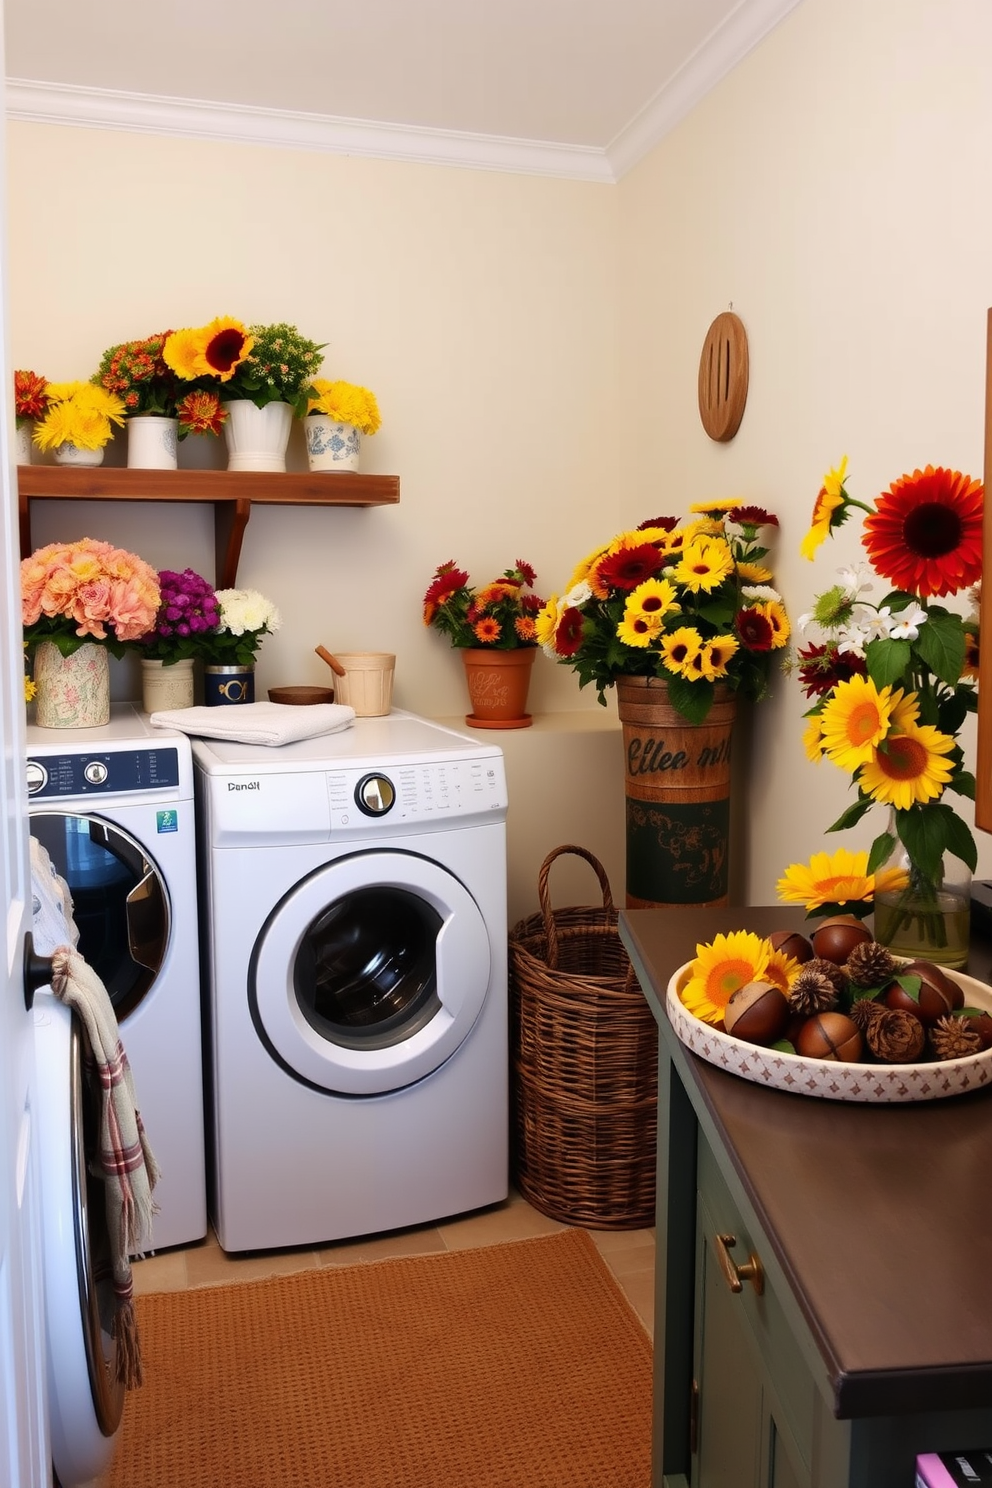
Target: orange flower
(925,535)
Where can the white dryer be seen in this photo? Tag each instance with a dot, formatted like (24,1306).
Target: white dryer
(356,971)
(114,809)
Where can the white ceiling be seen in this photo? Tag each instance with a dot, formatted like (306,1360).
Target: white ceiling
(577,87)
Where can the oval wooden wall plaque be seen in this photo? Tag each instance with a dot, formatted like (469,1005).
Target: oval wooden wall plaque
(723,377)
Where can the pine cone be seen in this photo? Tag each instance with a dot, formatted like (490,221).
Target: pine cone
(895,1036)
(830,969)
(865,1010)
(813,991)
(871,965)
(953,1038)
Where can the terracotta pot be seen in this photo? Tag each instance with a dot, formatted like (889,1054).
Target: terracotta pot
(497,686)
(677,785)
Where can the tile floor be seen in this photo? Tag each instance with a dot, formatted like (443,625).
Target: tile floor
(628,1253)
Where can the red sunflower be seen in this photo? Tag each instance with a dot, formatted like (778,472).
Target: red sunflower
(754,629)
(752,516)
(822,667)
(568,636)
(925,535)
(628,567)
(667,524)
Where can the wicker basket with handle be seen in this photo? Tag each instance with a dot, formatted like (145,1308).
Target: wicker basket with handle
(584,1069)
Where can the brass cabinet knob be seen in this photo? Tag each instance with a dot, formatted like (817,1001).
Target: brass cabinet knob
(752,1269)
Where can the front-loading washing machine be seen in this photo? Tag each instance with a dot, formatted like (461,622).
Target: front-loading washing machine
(355,961)
(113,807)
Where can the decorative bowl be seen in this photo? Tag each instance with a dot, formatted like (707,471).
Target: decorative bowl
(301,696)
(830,1080)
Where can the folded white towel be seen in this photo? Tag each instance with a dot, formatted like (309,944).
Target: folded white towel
(257,723)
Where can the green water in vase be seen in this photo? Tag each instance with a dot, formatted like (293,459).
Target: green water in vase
(933,929)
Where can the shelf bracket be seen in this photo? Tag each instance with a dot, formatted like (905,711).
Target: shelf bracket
(230,521)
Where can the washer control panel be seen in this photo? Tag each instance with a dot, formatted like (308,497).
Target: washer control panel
(416,794)
(116,772)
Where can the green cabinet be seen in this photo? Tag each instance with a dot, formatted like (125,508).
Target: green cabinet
(820,1318)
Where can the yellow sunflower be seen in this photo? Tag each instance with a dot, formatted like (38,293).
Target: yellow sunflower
(774,613)
(717,507)
(854,721)
(754,573)
(584,569)
(729,962)
(704,565)
(831,496)
(546,623)
(838,878)
(908,767)
(680,648)
(652,600)
(781,971)
(813,739)
(711,661)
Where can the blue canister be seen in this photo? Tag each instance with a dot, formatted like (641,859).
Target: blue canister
(228,684)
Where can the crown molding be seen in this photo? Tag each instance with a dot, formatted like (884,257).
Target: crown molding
(139,113)
(718,55)
(142,113)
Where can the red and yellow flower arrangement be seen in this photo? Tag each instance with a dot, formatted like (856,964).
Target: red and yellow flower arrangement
(891,683)
(691,603)
(498,616)
(138,373)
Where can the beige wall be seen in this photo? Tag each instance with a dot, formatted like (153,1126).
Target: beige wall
(534,346)
(480,307)
(834,191)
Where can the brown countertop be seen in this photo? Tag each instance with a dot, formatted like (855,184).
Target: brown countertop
(880,1216)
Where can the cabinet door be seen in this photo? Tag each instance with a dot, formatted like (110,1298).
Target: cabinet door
(728,1399)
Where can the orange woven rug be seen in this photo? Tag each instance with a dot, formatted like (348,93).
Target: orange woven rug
(512,1366)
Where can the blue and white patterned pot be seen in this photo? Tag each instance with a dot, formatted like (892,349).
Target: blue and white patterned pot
(330,445)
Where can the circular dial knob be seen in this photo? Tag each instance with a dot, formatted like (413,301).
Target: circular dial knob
(37,777)
(96,772)
(374,795)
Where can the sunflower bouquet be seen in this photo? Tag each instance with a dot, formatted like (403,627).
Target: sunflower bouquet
(891,682)
(691,603)
(497,616)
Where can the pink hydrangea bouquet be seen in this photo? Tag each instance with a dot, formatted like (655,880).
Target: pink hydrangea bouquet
(83,591)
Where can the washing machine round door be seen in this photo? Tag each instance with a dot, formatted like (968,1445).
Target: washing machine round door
(371,972)
(85,1397)
(119,901)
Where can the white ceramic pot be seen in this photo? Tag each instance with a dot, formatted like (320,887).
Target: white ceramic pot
(73,691)
(166,686)
(74,454)
(152,442)
(257,437)
(330,445)
(23,442)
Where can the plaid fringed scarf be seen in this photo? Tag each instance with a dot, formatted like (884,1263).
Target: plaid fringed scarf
(124,1160)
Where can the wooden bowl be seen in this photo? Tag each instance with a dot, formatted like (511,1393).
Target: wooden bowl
(301,697)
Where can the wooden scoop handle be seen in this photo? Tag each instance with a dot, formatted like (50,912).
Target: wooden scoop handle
(332,661)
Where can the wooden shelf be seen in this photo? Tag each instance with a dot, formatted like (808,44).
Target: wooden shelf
(232,493)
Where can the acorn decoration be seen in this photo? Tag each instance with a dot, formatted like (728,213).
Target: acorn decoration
(830,1036)
(836,937)
(851,1000)
(757,1012)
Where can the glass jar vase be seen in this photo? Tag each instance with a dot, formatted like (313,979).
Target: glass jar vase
(928,920)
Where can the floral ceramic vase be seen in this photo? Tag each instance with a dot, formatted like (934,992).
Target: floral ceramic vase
(498,682)
(74,454)
(166,686)
(257,437)
(331,446)
(228,684)
(72,691)
(152,442)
